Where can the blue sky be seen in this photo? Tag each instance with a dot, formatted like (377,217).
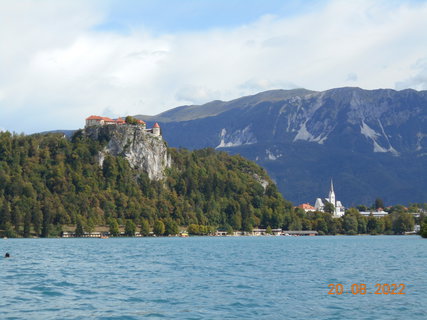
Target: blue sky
(173,16)
(62,60)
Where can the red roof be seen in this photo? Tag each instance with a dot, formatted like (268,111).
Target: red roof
(99,118)
(94,118)
(306,206)
(141,122)
(156,125)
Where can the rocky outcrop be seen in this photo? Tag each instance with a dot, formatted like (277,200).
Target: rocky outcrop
(143,150)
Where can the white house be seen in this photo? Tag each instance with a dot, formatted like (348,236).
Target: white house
(376,213)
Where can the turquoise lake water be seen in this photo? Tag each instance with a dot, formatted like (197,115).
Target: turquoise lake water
(211,278)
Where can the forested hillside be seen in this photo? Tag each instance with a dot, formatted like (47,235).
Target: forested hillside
(47,181)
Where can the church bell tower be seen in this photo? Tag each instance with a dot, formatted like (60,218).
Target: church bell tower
(332,194)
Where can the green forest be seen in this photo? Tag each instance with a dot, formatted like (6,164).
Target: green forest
(49,182)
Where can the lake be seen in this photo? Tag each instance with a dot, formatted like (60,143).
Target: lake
(212,278)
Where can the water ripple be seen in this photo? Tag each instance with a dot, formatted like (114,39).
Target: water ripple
(210,278)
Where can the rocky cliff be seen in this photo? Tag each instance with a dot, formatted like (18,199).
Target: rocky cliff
(143,150)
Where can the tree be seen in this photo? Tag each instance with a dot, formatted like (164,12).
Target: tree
(109,168)
(159,228)
(362,208)
(402,222)
(131,120)
(171,227)
(5,215)
(37,220)
(321,225)
(193,229)
(145,228)
(130,228)
(27,224)
(79,228)
(230,230)
(295,224)
(248,227)
(46,224)
(372,225)
(380,226)
(378,203)
(361,224)
(114,227)
(90,225)
(237,221)
(335,226)
(268,230)
(423,231)
(329,208)
(9,230)
(350,224)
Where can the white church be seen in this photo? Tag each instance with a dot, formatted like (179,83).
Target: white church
(339,208)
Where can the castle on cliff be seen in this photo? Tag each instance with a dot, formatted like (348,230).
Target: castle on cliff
(102,121)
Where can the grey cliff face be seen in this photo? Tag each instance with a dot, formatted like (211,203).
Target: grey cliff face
(143,150)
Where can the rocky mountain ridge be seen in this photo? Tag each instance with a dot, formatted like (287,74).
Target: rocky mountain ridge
(372,142)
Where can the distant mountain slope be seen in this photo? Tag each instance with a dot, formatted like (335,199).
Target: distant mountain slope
(216,107)
(371,142)
(67,133)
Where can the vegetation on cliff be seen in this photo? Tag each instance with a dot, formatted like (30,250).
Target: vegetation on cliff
(48,181)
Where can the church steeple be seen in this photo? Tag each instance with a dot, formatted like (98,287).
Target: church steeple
(332,194)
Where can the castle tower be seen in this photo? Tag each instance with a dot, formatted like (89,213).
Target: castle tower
(332,194)
(156,129)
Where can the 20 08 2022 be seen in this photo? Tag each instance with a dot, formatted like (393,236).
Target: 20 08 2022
(362,289)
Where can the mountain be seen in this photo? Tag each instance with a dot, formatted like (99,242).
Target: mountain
(67,133)
(372,143)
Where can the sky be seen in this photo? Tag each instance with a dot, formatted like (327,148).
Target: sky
(63,60)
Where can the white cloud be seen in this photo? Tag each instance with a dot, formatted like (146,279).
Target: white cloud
(56,69)
(351,77)
(418,80)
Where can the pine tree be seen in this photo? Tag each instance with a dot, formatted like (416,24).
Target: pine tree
(27,224)
(5,215)
(79,228)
